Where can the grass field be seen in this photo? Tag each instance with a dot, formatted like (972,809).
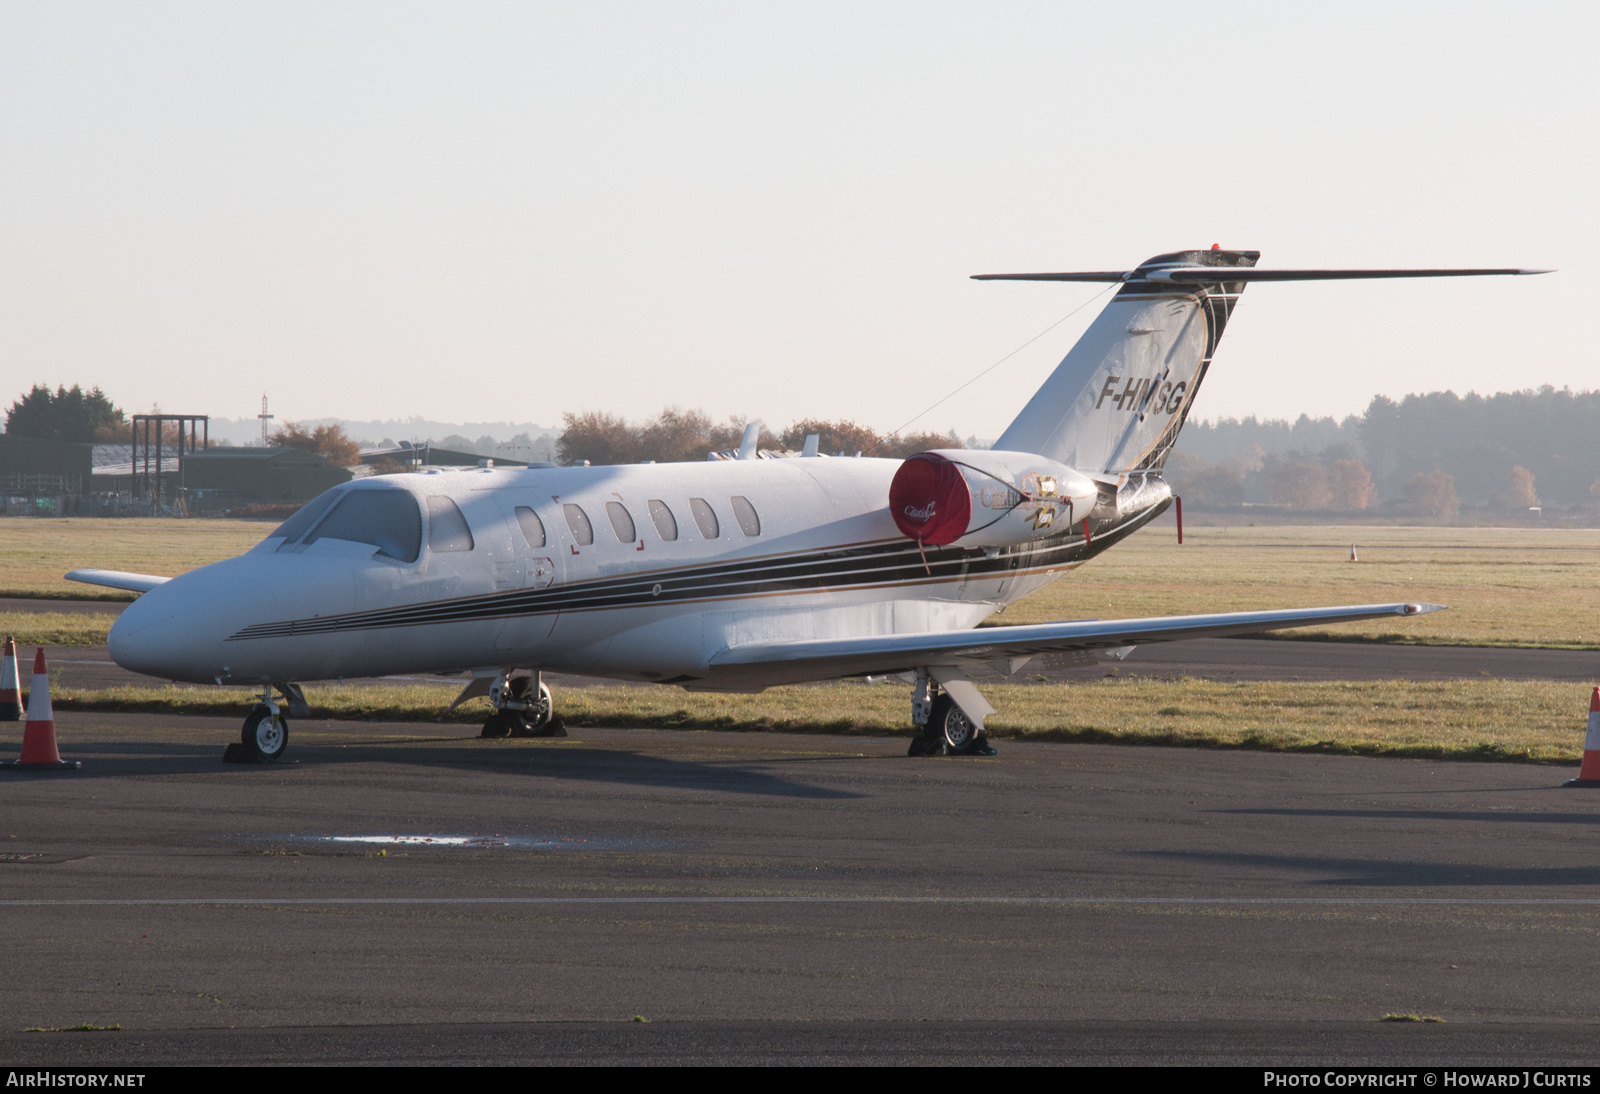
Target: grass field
(35,552)
(1528,721)
(56,628)
(1505,587)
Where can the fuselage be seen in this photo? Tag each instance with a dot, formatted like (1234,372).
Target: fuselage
(640,572)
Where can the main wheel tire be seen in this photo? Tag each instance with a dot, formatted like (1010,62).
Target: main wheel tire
(949,725)
(265,735)
(540,721)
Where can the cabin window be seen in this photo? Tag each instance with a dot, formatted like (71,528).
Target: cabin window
(705,517)
(298,525)
(532,527)
(578,521)
(666,524)
(621,521)
(447,528)
(745,514)
(390,520)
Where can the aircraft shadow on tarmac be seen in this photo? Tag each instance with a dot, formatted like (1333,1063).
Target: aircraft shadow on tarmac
(1382,873)
(1500,816)
(122,759)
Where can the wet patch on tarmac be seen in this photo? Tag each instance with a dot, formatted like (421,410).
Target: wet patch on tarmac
(476,842)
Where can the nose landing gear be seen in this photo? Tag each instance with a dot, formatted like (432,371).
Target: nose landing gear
(265,736)
(522,708)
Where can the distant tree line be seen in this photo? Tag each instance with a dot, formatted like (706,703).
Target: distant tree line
(68,414)
(1430,454)
(1229,438)
(1481,441)
(676,436)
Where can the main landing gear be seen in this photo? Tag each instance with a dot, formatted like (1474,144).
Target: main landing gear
(522,708)
(945,729)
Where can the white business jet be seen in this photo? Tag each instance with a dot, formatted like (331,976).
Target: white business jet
(734,574)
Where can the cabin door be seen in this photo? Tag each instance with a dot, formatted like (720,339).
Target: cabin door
(529,564)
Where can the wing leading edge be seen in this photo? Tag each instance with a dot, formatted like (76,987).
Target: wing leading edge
(821,658)
(117,579)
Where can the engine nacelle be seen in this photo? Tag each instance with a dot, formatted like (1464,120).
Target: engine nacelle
(985,498)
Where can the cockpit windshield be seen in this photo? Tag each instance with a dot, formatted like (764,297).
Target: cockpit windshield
(298,525)
(387,518)
(390,520)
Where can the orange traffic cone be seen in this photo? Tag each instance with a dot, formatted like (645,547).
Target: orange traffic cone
(39,751)
(10,692)
(1589,773)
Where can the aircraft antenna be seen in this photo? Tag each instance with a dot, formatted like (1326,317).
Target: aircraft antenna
(896,432)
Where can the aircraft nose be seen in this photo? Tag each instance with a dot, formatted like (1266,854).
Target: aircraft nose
(177,631)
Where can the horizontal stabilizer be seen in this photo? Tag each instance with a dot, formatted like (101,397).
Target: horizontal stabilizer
(116,579)
(1086,275)
(825,657)
(1186,275)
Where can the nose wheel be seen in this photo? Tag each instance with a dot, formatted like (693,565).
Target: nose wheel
(523,708)
(265,736)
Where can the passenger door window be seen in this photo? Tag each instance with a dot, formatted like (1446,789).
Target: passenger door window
(745,514)
(532,527)
(666,524)
(578,521)
(705,517)
(621,521)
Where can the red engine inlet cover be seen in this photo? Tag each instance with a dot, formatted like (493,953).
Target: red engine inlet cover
(929,499)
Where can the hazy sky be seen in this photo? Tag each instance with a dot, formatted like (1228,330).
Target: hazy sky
(475,211)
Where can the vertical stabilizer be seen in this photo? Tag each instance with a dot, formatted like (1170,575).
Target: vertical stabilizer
(1117,400)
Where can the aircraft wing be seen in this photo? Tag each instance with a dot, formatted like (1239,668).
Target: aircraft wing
(820,658)
(116,579)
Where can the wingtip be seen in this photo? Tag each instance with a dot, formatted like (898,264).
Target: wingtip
(1422,609)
